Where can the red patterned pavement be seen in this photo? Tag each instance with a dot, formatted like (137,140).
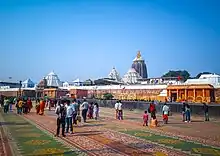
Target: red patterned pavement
(95,139)
(197,130)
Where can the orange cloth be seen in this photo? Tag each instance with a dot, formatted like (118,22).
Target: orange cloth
(42,106)
(38,109)
(153,123)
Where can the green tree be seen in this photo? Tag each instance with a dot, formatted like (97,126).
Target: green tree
(198,75)
(108,96)
(182,73)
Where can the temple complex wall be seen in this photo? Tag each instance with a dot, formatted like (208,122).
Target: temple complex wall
(129,94)
(217,95)
(54,92)
(78,93)
(12,92)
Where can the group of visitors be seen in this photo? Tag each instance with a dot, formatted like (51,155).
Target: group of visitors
(68,114)
(23,105)
(118,110)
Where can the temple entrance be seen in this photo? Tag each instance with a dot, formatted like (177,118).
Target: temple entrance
(173,97)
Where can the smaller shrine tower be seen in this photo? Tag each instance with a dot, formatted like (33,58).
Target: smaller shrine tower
(140,66)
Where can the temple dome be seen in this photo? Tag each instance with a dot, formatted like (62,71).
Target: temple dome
(140,66)
(114,75)
(131,76)
(53,80)
(138,57)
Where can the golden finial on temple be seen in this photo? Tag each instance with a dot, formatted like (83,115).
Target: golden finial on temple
(139,54)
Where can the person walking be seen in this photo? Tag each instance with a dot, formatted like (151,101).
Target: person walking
(116,109)
(188,113)
(152,110)
(61,115)
(74,106)
(29,103)
(19,106)
(69,117)
(6,105)
(165,111)
(90,111)
(184,112)
(206,111)
(120,111)
(96,111)
(85,107)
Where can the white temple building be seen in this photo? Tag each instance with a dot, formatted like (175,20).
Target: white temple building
(131,77)
(114,75)
(28,84)
(78,82)
(53,80)
(212,79)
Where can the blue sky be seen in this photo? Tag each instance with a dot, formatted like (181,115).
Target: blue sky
(86,38)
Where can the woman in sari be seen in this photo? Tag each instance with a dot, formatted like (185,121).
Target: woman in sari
(42,107)
(29,103)
(90,113)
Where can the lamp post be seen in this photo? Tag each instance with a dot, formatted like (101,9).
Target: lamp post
(20,84)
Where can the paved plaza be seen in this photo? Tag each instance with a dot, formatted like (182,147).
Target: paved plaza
(34,135)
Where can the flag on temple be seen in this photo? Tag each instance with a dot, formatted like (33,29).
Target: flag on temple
(179,78)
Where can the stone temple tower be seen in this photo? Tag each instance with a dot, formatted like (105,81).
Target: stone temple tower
(140,66)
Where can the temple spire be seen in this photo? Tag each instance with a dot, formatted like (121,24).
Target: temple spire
(139,54)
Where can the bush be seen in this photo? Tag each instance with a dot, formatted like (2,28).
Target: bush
(108,96)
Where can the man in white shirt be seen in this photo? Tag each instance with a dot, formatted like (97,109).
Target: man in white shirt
(120,112)
(69,117)
(116,110)
(85,107)
(165,111)
(61,115)
(74,106)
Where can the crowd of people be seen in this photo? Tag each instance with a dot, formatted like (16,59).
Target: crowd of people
(23,105)
(68,114)
(166,112)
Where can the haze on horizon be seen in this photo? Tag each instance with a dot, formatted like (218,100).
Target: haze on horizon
(85,39)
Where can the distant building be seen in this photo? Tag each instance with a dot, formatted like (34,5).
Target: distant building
(140,66)
(78,82)
(212,79)
(114,75)
(106,81)
(53,80)
(131,77)
(4,84)
(28,84)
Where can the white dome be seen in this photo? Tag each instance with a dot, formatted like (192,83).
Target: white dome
(53,80)
(131,76)
(114,75)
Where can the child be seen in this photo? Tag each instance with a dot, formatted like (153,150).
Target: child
(145,118)
(154,122)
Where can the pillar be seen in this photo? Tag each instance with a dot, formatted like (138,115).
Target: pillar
(177,94)
(194,94)
(203,93)
(185,94)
